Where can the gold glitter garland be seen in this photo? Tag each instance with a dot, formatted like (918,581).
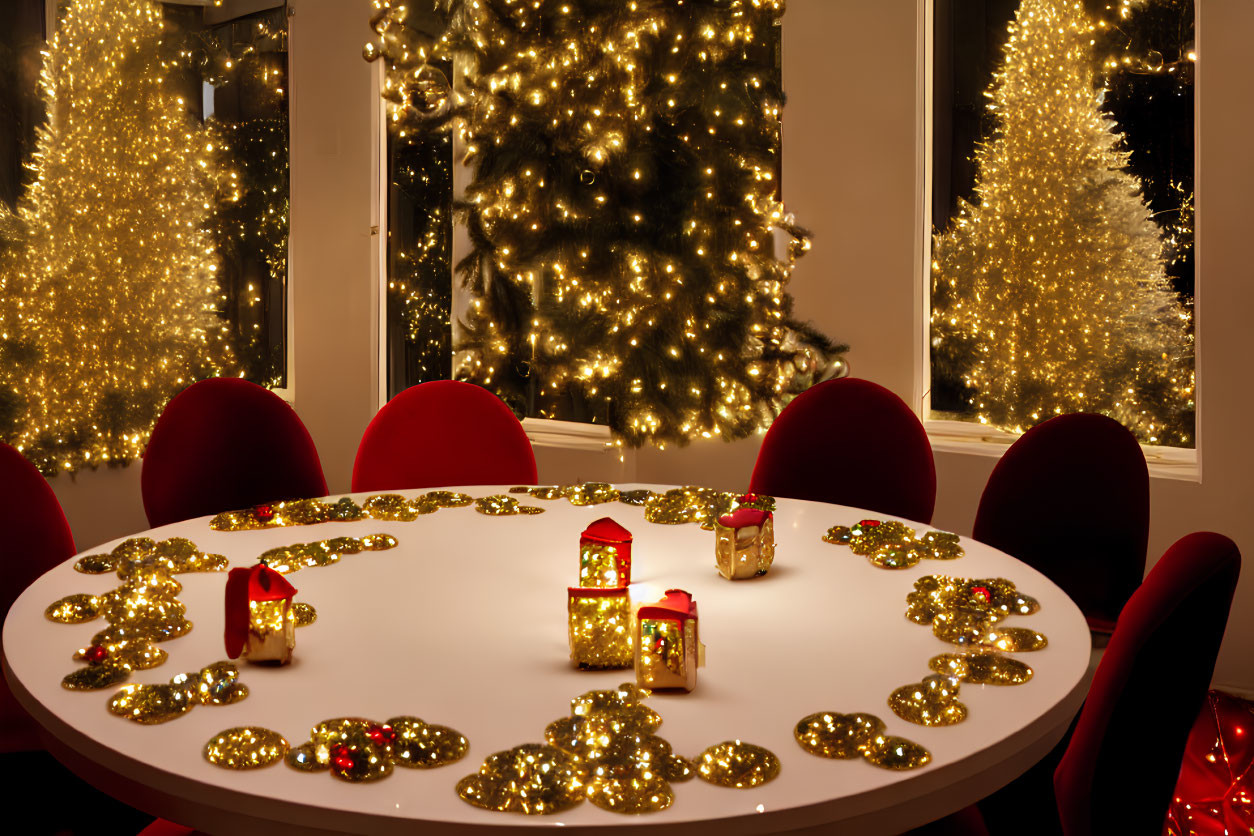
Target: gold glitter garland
(677,506)
(390,507)
(359,750)
(246,747)
(889,544)
(142,610)
(503,506)
(829,734)
(293,558)
(216,684)
(981,668)
(606,751)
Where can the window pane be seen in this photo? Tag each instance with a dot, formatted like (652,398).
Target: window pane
(1062,213)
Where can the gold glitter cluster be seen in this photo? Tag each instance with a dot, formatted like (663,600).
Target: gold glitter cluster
(391,507)
(889,544)
(246,747)
(829,734)
(293,558)
(965,612)
(1050,293)
(607,752)
(109,290)
(689,504)
(968,611)
(142,610)
(356,749)
(216,684)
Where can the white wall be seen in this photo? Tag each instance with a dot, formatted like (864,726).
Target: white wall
(850,70)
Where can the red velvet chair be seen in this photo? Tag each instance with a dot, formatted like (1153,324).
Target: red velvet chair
(34,537)
(225,443)
(444,432)
(1071,499)
(1121,766)
(849,442)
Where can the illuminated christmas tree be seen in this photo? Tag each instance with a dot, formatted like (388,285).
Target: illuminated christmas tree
(623,214)
(108,287)
(1049,291)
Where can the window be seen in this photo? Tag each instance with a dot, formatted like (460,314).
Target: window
(1061,255)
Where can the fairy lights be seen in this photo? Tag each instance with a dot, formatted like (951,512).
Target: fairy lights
(1050,291)
(622,213)
(109,299)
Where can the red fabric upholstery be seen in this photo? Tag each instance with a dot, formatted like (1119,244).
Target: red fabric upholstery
(1071,498)
(445,432)
(850,442)
(162,827)
(34,537)
(1119,771)
(225,443)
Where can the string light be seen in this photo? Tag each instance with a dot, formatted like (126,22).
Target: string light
(1050,292)
(110,302)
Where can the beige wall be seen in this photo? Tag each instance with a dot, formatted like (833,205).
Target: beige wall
(850,71)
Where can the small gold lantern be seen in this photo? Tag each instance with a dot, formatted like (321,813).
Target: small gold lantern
(668,647)
(260,624)
(605,555)
(744,545)
(600,628)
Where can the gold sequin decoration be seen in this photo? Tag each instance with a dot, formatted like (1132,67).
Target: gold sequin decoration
(96,564)
(246,747)
(393,506)
(422,746)
(889,752)
(636,497)
(829,734)
(73,609)
(736,764)
(643,792)
(216,684)
(530,779)
(135,655)
(448,499)
(1015,639)
(542,492)
(981,668)
(95,677)
(889,544)
(292,512)
(591,493)
(501,505)
(305,758)
(293,558)
(932,702)
(304,614)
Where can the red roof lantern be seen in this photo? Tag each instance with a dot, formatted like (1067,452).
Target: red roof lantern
(605,555)
(260,624)
(668,647)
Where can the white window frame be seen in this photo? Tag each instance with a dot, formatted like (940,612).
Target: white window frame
(971,438)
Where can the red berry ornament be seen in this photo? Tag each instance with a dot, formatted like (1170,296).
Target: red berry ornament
(264,513)
(96,654)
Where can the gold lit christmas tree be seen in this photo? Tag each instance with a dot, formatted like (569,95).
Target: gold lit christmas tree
(623,214)
(107,287)
(1049,292)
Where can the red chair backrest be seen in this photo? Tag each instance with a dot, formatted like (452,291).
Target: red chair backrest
(850,442)
(1071,499)
(222,444)
(1120,768)
(445,432)
(34,537)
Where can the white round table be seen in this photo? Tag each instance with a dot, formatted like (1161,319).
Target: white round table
(464,624)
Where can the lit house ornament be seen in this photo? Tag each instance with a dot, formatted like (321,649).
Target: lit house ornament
(668,648)
(605,555)
(260,624)
(744,544)
(600,627)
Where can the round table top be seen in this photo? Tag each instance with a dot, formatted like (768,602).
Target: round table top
(464,624)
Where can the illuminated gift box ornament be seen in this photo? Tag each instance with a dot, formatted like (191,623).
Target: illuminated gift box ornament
(744,544)
(600,627)
(605,555)
(260,623)
(668,647)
